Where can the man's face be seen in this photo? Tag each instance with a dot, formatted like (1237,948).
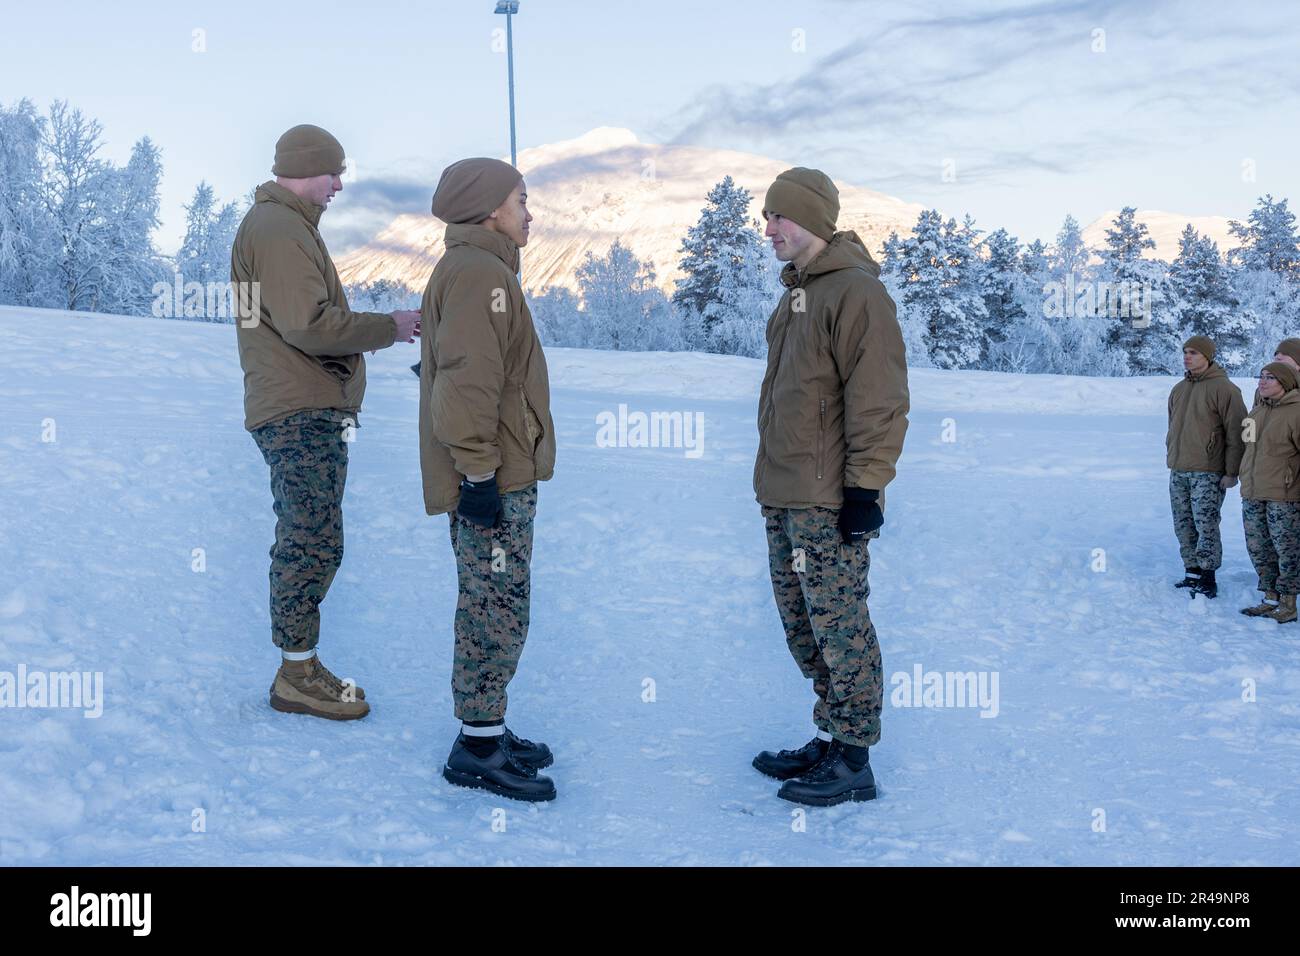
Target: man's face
(789,239)
(1269,387)
(512,216)
(1194,361)
(321,189)
(1279,357)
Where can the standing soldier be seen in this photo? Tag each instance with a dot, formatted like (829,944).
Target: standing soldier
(1204,449)
(486,439)
(304,378)
(832,414)
(1270,492)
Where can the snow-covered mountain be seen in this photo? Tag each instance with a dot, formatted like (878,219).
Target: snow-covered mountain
(605,185)
(1165,228)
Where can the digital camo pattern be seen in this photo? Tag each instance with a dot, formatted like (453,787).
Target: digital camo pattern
(308,457)
(1197,501)
(491,625)
(821,591)
(1273,540)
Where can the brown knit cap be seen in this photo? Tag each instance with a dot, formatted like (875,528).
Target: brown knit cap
(1202,345)
(306,151)
(808,197)
(1289,347)
(472,189)
(1285,374)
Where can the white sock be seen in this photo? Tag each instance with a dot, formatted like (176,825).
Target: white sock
(495,731)
(299,655)
(823,735)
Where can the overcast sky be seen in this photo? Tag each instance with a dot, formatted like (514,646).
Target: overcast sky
(1038,109)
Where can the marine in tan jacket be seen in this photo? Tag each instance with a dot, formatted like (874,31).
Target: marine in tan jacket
(1203,450)
(1270,492)
(304,379)
(486,440)
(832,414)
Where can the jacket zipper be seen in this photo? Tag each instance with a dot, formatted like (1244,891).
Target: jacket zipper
(821,435)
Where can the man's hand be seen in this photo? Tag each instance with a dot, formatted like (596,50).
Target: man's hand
(408,325)
(860,514)
(1227,481)
(480,501)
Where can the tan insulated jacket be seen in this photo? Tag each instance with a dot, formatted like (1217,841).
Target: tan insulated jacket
(304,350)
(1205,413)
(485,396)
(1270,468)
(833,407)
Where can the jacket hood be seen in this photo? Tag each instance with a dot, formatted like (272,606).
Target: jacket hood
(481,237)
(1289,398)
(844,251)
(1214,371)
(273,192)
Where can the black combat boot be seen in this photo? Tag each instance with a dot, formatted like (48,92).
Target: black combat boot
(1206,585)
(791,763)
(490,765)
(537,756)
(843,774)
(1190,577)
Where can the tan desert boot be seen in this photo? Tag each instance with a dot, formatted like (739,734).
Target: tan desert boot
(308,687)
(1285,612)
(1266,606)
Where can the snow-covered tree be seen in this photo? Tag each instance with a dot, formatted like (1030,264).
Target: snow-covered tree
(204,254)
(1268,240)
(734,322)
(1000,278)
(939,270)
(27,257)
(1070,254)
(724,238)
(1136,296)
(102,216)
(623,307)
(1207,304)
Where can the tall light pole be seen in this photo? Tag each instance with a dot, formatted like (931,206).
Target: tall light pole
(510,8)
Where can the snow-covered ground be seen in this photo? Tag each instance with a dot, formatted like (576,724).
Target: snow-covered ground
(1117,695)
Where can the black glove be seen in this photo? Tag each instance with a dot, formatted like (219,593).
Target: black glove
(860,514)
(480,502)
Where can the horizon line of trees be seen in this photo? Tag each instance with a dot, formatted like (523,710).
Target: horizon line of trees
(76,233)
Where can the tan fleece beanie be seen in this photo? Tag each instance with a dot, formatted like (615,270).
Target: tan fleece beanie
(1202,345)
(306,151)
(472,189)
(808,197)
(1289,347)
(1284,374)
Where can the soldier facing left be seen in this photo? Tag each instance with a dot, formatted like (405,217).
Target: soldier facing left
(301,348)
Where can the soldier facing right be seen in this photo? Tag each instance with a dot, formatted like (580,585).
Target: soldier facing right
(1204,449)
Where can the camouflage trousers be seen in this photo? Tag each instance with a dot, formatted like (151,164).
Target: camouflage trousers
(821,590)
(1196,499)
(491,625)
(308,458)
(1273,540)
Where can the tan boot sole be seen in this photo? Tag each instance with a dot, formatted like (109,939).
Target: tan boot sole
(293,707)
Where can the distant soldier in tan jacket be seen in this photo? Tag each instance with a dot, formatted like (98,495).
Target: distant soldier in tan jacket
(1270,491)
(1203,453)
(832,414)
(486,440)
(304,379)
